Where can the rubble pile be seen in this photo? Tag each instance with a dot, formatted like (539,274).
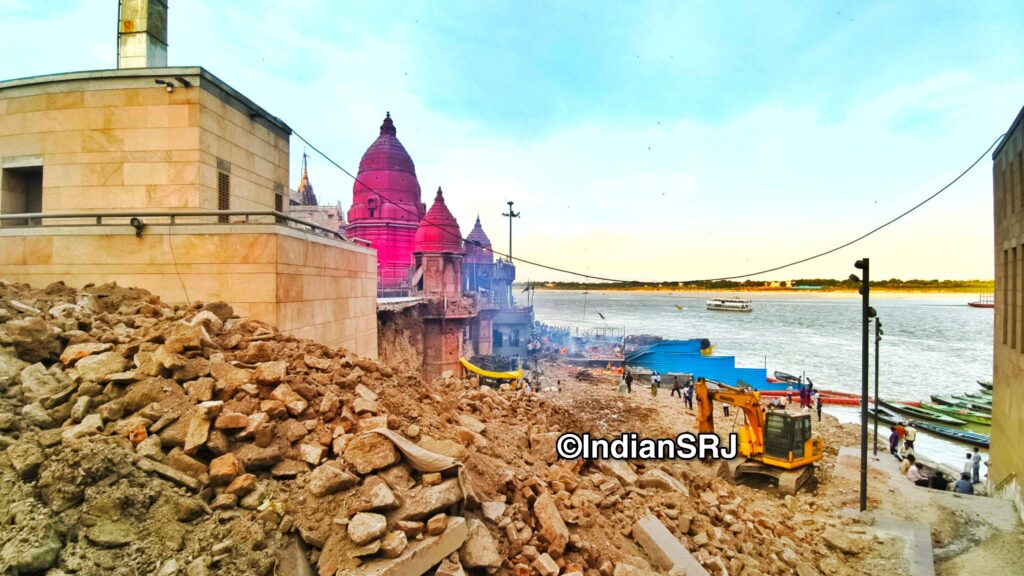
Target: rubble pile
(138,437)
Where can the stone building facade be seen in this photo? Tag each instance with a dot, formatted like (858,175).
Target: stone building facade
(143,142)
(1006,471)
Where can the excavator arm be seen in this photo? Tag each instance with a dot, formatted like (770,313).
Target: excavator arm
(749,401)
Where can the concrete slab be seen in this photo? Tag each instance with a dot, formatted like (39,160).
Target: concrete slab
(421,556)
(664,549)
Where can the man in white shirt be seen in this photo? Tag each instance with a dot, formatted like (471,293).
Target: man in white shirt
(916,475)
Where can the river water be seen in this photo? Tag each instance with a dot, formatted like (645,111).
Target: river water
(931,343)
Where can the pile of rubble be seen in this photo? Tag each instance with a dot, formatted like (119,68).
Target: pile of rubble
(139,437)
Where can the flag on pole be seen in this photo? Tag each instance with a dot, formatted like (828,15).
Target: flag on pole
(601,315)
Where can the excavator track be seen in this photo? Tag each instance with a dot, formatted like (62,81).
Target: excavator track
(788,481)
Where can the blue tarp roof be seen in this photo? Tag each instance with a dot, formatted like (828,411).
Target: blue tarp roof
(684,357)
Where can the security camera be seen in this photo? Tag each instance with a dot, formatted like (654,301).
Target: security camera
(138,224)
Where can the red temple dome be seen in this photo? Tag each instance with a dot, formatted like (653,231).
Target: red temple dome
(478,246)
(386,152)
(439,231)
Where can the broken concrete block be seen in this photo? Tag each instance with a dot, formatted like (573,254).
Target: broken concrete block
(420,556)
(369,452)
(224,469)
(663,481)
(468,422)
(328,479)
(366,526)
(480,549)
(26,456)
(198,432)
(552,528)
(426,501)
(618,469)
(311,453)
(437,524)
(91,424)
(269,373)
(294,403)
(393,544)
(242,485)
(663,548)
(231,421)
(545,565)
(365,392)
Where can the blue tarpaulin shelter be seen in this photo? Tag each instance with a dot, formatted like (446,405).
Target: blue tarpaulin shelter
(684,357)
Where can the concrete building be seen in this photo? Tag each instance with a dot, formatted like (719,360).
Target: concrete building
(1006,471)
(502,328)
(437,279)
(201,169)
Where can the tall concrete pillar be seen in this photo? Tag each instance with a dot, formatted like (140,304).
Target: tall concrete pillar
(142,34)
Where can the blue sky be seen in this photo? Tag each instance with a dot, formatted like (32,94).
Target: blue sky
(648,140)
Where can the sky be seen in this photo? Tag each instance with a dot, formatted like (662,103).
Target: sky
(639,141)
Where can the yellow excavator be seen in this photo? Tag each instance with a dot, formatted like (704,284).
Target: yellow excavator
(771,443)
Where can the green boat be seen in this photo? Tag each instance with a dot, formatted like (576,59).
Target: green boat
(959,413)
(972,404)
(920,413)
(960,403)
(975,399)
(985,384)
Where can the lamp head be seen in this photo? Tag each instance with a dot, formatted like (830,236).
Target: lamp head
(138,224)
(861,264)
(854,278)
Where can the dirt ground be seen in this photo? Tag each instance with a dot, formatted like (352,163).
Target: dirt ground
(971,535)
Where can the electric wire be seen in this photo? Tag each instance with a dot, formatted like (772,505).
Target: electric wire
(589,276)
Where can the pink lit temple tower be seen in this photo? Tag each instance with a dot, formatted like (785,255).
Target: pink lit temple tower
(388,215)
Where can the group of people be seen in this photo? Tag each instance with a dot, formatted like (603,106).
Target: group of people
(901,445)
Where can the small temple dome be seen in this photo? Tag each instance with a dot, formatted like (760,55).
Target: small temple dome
(386,152)
(438,231)
(477,246)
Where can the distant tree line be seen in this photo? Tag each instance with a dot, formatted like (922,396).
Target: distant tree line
(828,284)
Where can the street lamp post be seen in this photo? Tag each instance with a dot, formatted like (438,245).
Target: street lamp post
(866,313)
(511,214)
(878,338)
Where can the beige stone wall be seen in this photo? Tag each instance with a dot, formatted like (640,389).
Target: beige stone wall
(126,143)
(303,284)
(1007,460)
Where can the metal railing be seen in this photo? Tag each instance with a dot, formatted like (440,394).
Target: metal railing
(169,217)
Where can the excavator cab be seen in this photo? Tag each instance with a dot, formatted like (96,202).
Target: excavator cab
(788,441)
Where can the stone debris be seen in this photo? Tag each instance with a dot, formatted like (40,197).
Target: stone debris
(184,440)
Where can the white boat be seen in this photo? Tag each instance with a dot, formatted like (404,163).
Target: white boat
(729,305)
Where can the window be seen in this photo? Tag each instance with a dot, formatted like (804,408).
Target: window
(223,194)
(514,338)
(1013,298)
(497,338)
(1003,300)
(21,192)
(278,207)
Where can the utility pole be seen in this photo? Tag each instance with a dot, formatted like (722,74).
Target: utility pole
(878,338)
(867,312)
(511,214)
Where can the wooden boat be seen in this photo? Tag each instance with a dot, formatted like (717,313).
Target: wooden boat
(983,301)
(970,399)
(783,377)
(955,403)
(983,396)
(919,413)
(963,402)
(887,416)
(986,384)
(972,438)
(729,305)
(959,413)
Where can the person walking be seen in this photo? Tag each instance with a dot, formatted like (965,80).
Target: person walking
(894,441)
(976,466)
(629,383)
(677,389)
(688,396)
(818,402)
